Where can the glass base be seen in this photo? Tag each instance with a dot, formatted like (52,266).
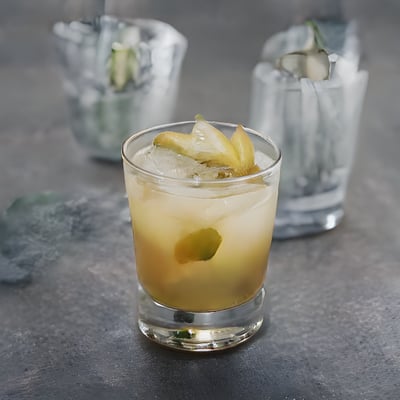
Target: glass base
(291,224)
(200,331)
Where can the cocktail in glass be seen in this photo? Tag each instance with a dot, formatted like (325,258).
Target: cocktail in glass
(202,240)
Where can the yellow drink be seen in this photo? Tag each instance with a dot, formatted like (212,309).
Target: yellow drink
(161,219)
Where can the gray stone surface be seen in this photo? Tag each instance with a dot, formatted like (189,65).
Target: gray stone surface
(68,331)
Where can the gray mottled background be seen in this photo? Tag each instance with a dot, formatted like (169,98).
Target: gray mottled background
(335,298)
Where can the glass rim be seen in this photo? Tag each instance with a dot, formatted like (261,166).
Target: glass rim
(269,171)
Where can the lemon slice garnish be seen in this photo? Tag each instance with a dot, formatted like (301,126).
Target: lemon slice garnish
(244,150)
(207,144)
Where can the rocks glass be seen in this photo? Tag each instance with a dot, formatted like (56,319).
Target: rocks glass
(216,302)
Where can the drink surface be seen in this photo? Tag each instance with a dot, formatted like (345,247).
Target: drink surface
(231,225)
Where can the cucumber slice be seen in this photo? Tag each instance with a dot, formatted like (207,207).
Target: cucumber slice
(123,67)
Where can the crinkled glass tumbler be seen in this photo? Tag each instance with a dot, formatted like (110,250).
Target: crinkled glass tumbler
(120,76)
(316,125)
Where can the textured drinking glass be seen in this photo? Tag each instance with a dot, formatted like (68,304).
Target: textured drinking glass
(315,122)
(218,302)
(120,76)
(316,125)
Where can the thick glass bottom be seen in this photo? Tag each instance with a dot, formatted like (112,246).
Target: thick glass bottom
(200,331)
(291,224)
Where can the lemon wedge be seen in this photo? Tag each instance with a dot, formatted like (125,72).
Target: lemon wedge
(200,245)
(205,144)
(208,145)
(244,150)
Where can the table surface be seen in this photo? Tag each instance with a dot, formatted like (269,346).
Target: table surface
(335,298)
